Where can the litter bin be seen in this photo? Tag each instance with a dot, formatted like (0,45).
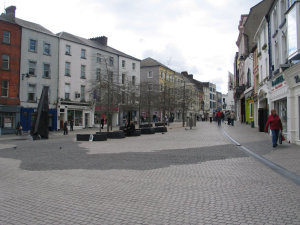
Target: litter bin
(252,124)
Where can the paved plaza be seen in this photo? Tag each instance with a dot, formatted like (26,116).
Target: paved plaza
(183,176)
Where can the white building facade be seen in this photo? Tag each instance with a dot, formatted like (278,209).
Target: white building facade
(39,68)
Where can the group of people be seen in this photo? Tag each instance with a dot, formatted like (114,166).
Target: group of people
(220,116)
(65,127)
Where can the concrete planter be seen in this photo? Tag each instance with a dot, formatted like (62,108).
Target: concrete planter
(100,137)
(114,134)
(160,129)
(146,125)
(83,137)
(147,130)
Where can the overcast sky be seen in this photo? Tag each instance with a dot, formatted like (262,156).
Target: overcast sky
(197,36)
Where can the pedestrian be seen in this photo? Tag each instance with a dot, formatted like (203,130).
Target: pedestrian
(219,117)
(71,125)
(19,129)
(210,117)
(275,126)
(232,118)
(65,128)
(102,123)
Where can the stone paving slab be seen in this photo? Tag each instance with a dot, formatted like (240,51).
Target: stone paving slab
(286,155)
(61,181)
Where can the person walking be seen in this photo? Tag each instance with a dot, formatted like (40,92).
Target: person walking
(219,117)
(232,118)
(275,125)
(65,128)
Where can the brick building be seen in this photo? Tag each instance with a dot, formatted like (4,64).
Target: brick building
(10,53)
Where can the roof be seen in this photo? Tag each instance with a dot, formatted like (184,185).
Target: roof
(26,24)
(93,44)
(254,19)
(33,26)
(149,62)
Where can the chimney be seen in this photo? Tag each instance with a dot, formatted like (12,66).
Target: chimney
(191,76)
(11,12)
(102,40)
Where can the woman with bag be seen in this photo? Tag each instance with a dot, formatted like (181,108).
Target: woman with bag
(275,126)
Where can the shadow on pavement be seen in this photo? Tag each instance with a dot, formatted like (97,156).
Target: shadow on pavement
(66,155)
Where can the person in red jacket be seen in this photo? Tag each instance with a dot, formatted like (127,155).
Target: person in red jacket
(275,125)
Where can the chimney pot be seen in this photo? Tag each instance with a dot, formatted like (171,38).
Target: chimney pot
(102,40)
(11,12)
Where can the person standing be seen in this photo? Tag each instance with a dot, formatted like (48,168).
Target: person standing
(65,128)
(19,129)
(102,123)
(275,125)
(210,117)
(71,125)
(232,118)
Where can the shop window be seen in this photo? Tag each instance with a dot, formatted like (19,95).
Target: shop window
(7,120)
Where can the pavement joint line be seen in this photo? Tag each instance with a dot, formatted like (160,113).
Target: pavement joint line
(277,168)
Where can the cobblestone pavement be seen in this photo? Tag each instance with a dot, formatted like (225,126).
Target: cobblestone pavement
(181,177)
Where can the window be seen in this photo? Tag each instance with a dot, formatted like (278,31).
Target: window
(46,73)
(32,68)
(161,87)
(68,50)
(165,75)
(82,93)
(67,69)
(98,58)
(82,74)
(67,91)
(83,53)
(133,66)
(123,78)
(6,37)
(46,49)
(31,93)
(5,62)
(98,73)
(32,45)
(7,120)
(133,80)
(150,86)
(161,75)
(4,88)
(123,64)
(150,74)
(111,61)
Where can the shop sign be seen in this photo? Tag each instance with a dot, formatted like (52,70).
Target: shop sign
(297,79)
(277,83)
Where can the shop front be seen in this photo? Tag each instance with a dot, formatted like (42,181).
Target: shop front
(9,117)
(249,108)
(28,116)
(293,80)
(278,99)
(81,115)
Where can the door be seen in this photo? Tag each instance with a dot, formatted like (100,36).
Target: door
(86,120)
